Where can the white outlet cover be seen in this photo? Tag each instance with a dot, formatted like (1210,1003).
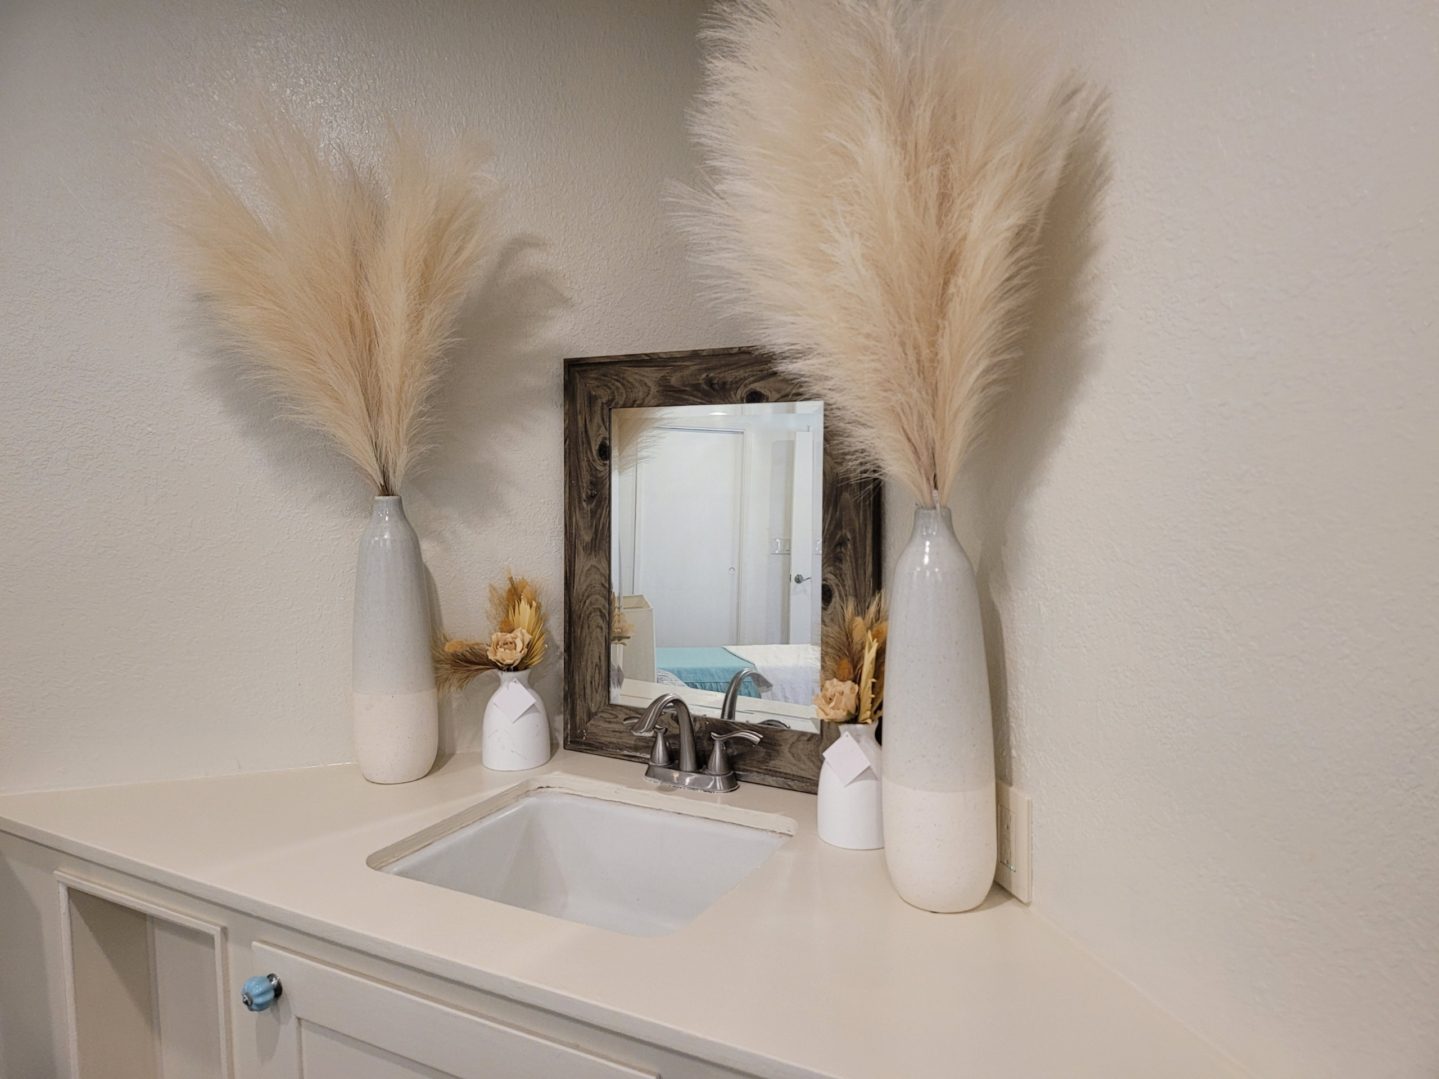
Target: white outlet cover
(1014,869)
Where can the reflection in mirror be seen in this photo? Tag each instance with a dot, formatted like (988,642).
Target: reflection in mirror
(715,553)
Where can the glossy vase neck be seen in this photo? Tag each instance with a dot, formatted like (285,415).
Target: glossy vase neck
(387,508)
(933,540)
(932,520)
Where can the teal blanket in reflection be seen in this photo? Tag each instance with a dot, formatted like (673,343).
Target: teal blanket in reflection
(704,668)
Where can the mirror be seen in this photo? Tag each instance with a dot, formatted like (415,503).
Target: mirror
(716,543)
(708,525)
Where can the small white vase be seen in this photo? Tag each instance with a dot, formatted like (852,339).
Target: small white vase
(849,812)
(516,733)
(395,703)
(939,817)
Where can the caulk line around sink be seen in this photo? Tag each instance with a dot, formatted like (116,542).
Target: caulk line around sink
(683,803)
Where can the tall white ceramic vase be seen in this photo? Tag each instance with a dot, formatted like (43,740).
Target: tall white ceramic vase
(938,786)
(396,705)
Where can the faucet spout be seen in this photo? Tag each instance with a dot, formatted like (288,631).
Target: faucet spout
(730,705)
(689,758)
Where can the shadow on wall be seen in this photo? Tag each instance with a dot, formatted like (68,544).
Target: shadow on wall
(303,457)
(1058,350)
(502,391)
(499,425)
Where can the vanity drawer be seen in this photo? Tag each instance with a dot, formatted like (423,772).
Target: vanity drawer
(332,1023)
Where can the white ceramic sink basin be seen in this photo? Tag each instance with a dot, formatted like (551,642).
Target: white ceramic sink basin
(631,868)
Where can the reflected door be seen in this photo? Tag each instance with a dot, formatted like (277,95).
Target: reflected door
(803,561)
(687,534)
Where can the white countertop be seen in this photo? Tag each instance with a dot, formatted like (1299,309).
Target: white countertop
(811,966)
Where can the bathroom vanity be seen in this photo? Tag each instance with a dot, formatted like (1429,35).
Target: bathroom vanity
(133,916)
(624,911)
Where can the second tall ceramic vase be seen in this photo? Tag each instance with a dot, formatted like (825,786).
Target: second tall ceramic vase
(938,786)
(396,705)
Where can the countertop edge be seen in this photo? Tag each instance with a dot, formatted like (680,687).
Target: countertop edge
(569,1007)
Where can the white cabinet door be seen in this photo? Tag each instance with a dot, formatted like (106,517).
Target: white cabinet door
(331,1023)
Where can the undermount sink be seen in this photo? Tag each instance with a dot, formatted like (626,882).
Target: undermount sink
(636,869)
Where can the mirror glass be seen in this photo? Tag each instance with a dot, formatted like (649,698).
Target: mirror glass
(715,549)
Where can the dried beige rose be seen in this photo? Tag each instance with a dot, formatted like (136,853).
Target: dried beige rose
(508,649)
(837,700)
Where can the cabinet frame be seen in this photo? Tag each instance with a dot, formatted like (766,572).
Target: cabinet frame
(69,883)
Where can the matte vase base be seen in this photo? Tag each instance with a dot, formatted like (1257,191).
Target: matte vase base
(946,864)
(396,736)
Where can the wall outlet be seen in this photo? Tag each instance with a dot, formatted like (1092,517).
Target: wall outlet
(1013,871)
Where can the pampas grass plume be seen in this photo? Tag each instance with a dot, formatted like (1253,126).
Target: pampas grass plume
(342,289)
(878,172)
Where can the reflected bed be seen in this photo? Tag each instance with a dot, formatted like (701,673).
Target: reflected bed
(792,669)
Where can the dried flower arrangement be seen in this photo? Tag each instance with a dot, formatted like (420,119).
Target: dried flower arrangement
(517,643)
(880,228)
(621,628)
(341,289)
(852,653)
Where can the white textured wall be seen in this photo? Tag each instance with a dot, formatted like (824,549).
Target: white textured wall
(176,567)
(1208,527)
(1210,531)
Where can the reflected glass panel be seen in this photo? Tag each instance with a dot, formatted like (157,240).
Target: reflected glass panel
(715,549)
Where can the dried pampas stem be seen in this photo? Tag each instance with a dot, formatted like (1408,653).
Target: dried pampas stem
(852,650)
(518,642)
(878,173)
(458,662)
(341,289)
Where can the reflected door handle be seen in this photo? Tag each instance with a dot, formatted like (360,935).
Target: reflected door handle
(800,578)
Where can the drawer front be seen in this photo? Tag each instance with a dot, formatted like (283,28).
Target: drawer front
(332,1023)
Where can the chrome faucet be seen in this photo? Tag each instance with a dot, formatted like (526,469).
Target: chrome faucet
(730,705)
(668,702)
(718,776)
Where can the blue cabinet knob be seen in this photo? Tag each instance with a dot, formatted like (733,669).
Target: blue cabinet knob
(259,992)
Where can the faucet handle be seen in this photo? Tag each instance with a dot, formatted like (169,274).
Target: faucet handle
(648,725)
(719,764)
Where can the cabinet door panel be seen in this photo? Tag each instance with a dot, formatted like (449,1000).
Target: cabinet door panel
(328,1053)
(336,1024)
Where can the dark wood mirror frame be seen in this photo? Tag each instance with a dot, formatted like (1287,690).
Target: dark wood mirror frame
(851,544)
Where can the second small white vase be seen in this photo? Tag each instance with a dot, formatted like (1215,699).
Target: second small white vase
(516,733)
(848,806)
(396,705)
(940,837)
